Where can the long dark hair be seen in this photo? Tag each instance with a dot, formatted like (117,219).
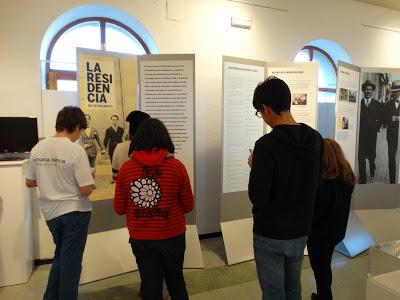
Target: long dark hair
(152,134)
(335,164)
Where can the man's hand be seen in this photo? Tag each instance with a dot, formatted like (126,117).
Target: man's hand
(30,182)
(250,161)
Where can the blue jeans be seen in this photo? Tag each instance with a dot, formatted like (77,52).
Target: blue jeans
(69,233)
(278,264)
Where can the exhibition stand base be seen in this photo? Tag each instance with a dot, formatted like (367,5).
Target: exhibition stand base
(357,238)
(382,224)
(238,240)
(109,254)
(385,286)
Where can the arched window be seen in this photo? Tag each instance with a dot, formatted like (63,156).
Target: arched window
(94,33)
(327,74)
(328,53)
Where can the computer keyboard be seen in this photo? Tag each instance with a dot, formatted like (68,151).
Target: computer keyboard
(12,158)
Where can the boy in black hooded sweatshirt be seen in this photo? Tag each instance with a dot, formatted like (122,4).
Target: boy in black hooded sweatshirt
(285,174)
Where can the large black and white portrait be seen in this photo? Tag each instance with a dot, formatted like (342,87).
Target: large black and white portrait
(378,128)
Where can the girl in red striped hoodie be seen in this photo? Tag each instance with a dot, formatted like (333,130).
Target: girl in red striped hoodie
(153,190)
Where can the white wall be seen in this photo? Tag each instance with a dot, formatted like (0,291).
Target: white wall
(204,30)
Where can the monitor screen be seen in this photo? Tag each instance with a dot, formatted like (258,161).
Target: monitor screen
(18,134)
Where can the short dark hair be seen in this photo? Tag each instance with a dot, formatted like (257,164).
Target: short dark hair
(135,118)
(152,134)
(114,116)
(70,117)
(272,92)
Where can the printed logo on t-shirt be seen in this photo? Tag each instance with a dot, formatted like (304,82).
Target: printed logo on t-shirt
(145,192)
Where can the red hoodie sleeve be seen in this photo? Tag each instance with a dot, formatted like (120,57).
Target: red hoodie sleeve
(121,195)
(186,195)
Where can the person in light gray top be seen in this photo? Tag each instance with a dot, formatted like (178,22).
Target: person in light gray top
(124,150)
(89,138)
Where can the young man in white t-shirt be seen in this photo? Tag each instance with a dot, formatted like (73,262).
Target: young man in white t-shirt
(60,169)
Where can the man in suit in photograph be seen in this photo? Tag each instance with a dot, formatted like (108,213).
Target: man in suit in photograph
(370,123)
(113,136)
(89,138)
(391,116)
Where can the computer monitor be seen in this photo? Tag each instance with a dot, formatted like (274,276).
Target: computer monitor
(18,134)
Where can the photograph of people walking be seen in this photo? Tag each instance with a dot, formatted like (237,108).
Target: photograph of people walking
(378,128)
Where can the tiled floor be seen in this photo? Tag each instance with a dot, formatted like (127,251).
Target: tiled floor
(216,281)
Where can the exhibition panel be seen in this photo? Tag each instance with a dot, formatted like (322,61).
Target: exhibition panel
(348,84)
(167,92)
(241,129)
(302,79)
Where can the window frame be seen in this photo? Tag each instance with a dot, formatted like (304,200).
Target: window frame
(52,75)
(311,50)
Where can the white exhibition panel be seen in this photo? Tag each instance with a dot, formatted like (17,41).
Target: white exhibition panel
(167,92)
(382,224)
(385,286)
(109,254)
(238,240)
(43,245)
(346,123)
(52,102)
(302,79)
(241,128)
(16,236)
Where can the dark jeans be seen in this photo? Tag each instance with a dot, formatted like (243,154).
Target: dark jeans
(392,151)
(278,264)
(69,233)
(157,259)
(320,255)
(367,150)
(92,161)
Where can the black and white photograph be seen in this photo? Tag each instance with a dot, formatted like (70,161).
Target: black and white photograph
(352,96)
(378,128)
(343,94)
(299,99)
(106,117)
(345,123)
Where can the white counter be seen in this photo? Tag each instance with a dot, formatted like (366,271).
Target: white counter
(16,234)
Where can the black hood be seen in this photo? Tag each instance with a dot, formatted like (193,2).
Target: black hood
(300,139)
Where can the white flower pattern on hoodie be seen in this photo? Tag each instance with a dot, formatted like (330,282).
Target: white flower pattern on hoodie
(145,192)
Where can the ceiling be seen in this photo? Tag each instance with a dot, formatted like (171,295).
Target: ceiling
(392,4)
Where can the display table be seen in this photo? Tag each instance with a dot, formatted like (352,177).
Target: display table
(384,271)
(16,236)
